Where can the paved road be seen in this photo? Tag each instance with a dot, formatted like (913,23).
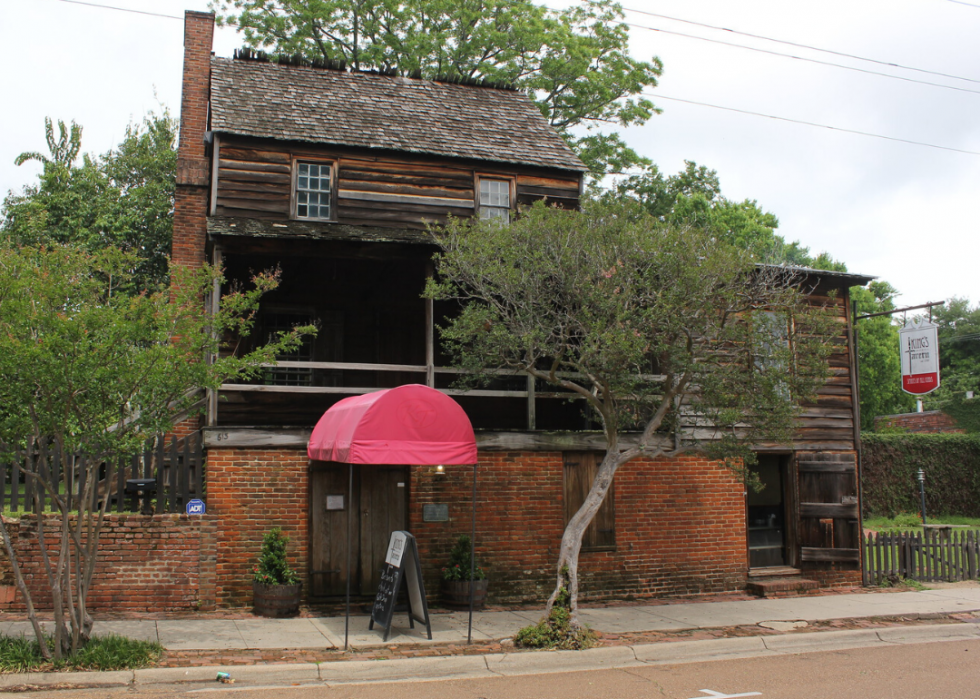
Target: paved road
(946,670)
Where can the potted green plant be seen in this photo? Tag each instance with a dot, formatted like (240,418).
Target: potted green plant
(456,578)
(275,585)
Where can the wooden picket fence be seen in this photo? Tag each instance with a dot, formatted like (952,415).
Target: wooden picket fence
(176,464)
(933,555)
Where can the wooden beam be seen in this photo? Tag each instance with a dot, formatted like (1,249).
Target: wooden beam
(293,438)
(404,198)
(813,553)
(828,510)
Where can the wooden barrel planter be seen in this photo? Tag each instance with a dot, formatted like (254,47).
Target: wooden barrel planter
(456,594)
(276,600)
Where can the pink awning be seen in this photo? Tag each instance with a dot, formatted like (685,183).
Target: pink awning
(412,424)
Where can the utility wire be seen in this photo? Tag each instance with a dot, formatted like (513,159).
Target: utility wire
(811,123)
(802,58)
(968,4)
(121,9)
(803,46)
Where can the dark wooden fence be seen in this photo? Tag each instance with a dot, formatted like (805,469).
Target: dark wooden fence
(175,464)
(933,555)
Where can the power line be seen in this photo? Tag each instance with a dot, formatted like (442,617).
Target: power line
(803,58)
(803,46)
(811,123)
(121,9)
(968,4)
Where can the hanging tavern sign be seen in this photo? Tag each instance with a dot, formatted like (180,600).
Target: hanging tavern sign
(920,357)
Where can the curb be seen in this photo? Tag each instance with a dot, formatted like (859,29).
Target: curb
(506,664)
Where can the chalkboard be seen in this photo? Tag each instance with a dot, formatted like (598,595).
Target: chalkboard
(401,563)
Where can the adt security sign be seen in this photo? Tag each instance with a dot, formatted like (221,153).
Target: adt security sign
(920,358)
(196,507)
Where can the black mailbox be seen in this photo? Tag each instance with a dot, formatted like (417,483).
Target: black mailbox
(141,485)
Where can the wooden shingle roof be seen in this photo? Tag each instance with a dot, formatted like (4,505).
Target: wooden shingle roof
(267,100)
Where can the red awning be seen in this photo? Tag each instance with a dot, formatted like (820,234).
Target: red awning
(412,424)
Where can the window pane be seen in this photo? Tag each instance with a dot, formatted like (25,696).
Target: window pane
(304,169)
(301,210)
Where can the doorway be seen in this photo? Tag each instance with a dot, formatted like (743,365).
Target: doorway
(768,513)
(380,506)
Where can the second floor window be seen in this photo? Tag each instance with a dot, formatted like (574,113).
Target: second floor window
(313,191)
(495,199)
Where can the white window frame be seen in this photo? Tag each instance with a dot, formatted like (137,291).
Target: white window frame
(294,191)
(511,197)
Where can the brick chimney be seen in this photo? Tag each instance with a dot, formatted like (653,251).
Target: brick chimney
(193,164)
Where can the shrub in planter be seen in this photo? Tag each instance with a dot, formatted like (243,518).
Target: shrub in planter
(275,585)
(456,578)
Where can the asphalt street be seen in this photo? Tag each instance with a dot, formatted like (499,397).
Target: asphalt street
(940,670)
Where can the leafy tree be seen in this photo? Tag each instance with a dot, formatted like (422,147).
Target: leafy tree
(574,63)
(87,370)
(959,362)
(693,198)
(879,364)
(654,328)
(123,198)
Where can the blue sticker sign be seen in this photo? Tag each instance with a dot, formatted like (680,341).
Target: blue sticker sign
(196,507)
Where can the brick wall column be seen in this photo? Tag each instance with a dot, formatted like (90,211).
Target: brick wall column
(193,165)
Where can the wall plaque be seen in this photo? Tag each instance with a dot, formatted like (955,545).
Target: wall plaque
(435,513)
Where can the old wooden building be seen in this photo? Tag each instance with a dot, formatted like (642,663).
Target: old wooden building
(332,176)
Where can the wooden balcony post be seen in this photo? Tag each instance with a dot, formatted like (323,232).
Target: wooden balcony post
(430,340)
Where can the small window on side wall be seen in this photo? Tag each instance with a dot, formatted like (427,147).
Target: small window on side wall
(313,191)
(580,470)
(495,199)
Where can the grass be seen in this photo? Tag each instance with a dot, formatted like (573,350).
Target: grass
(906,521)
(111,652)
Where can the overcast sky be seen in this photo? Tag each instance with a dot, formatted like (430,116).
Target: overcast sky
(905,213)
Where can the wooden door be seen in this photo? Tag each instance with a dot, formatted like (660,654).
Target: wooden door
(379,506)
(829,529)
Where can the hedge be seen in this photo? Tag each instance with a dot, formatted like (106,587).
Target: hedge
(890,465)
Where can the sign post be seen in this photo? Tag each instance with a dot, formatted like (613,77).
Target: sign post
(919,343)
(401,563)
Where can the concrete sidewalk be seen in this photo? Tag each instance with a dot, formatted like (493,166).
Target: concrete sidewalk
(326,634)
(208,634)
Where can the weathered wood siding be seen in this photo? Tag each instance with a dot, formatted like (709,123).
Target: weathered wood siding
(254,180)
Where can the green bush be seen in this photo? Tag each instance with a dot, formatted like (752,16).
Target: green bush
(555,631)
(459,562)
(111,652)
(890,465)
(273,568)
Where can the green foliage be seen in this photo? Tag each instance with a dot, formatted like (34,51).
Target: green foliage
(890,466)
(459,562)
(556,631)
(122,199)
(619,299)
(273,568)
(111,652)
(959,358)
(693,198)
(879,367)
(85,369)
(574,62)
(98,371)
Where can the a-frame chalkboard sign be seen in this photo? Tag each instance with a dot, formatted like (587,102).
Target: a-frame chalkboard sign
(401,563)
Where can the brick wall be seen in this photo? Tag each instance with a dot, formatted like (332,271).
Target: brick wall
(250,491)
(680,527)
(159,563)
(930,421)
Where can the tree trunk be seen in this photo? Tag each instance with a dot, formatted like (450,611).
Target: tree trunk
(571,540)
(25,593)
